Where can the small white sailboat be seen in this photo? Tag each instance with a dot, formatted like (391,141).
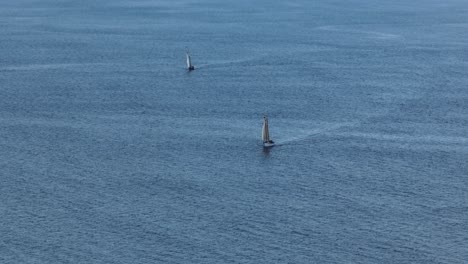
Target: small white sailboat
(267,142)
(190,67)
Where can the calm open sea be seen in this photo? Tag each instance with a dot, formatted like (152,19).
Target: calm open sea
(111,152)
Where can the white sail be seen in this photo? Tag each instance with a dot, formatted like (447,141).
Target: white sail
(265,130)
(189,61)
(267,142)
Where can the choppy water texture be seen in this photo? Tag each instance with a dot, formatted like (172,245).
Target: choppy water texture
(111,152)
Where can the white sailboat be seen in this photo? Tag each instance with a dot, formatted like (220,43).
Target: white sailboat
(267,142)
(190,67)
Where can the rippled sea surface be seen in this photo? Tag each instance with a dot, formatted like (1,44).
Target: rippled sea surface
(111,152)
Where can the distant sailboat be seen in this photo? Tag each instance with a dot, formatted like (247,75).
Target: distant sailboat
(267,142)
(190,67)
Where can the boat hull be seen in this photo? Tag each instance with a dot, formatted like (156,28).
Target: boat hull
(268,144)
(191,68)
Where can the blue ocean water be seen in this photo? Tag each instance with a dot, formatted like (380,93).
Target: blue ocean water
(111,152)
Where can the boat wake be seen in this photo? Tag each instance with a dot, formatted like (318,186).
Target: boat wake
(409,139)
(366,33)
(228,63)
(51,66)
(304,134)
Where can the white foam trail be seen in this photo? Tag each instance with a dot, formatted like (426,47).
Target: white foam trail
(431,139)
(30,67)
(374,34)
(225,63)
(303,134)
